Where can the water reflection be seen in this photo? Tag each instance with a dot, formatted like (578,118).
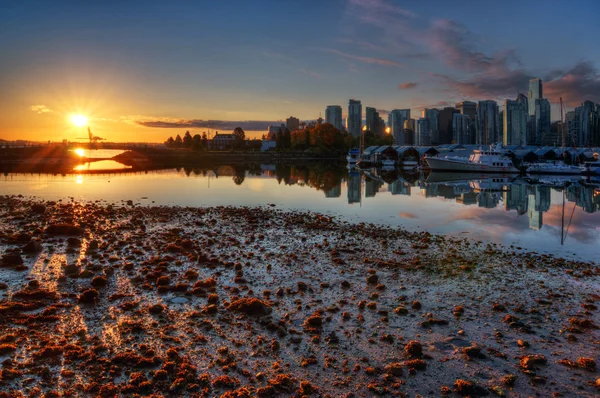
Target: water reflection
(522,211)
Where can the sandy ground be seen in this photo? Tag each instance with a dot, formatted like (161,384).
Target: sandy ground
(120,300)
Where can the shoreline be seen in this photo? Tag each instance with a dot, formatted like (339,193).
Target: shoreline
(207,301)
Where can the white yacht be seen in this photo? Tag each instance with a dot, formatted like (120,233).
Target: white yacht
(553,168)
(492,160)
(592,167)
(353,155)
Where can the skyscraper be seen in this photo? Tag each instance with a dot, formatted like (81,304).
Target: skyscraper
(292,123)
(535,92)
(487,123)
(354,117)
(422,132)
(515,123)
(396,120)
(542,120)
(432,116)
(586,114)
(445,125)
(409,132)
(470,109)
(461,126)
(333,115)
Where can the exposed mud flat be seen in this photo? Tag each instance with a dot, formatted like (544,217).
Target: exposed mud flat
(99,299)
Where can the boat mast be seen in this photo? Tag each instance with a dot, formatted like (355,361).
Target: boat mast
(562,124)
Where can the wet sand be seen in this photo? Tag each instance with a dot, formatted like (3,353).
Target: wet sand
(239,302)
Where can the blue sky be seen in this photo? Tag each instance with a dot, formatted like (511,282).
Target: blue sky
(131,63)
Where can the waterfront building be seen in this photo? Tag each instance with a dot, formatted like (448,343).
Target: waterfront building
(333,115)
(445,125)
(292,123)
(396,120)
(432,115)
(354,118)
(354,187)
(487,123)
(514,123)
(374,122)
(461,126)
(542,120)
(535,92)
(422,131)
(469,108)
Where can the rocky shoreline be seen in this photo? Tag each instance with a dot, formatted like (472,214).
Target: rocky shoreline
(108,300)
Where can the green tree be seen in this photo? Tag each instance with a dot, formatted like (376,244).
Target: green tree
(187,140)
(279,139)
(240,137)
(178,141)
(287,139)
(170,142)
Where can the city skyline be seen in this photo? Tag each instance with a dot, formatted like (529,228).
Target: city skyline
(142,73)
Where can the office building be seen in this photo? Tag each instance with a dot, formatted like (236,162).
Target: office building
(542,120)
(374,122)
(422,130)
(461,125)
(292,123)
(432,115)
(396,120)
(514,123)
(354,118)
(535,92)
(333,115)
(487,123)
(445,125)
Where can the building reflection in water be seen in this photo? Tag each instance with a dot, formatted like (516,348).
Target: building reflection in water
(522,195)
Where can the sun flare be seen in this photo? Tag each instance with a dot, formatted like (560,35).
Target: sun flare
(80,152)
(79,120)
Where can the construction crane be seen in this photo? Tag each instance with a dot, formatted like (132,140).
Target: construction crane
(93,139)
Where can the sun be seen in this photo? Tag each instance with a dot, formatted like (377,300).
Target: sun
(79,120)
(80,152)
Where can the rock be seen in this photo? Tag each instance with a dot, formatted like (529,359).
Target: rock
(38,208)
(156,308)
(416,305)
(522,343)
(529,362)
(92,246)
(73,242)
(98,281)
(89,296)
(466,388)
(372,279)
(250,306)
(32,247)
(71,269)
(586,363)
(64,229)
(394,369)
(11,259)
(414,349)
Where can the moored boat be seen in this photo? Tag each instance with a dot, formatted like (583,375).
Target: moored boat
(553,168)
(492,160)
(353,155)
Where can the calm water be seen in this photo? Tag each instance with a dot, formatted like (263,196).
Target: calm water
(520,212)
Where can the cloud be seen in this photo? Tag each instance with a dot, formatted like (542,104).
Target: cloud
(407,85)
(39,109)
(439,104)
(224,125)
(579,83)
(311,73)
(367,60)
(382,6)
(502,74)
(407,215)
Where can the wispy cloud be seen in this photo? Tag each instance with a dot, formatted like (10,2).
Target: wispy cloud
(225,125)
(473,72)
(407,85)
(382,6)
(39,109)
(367,60)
